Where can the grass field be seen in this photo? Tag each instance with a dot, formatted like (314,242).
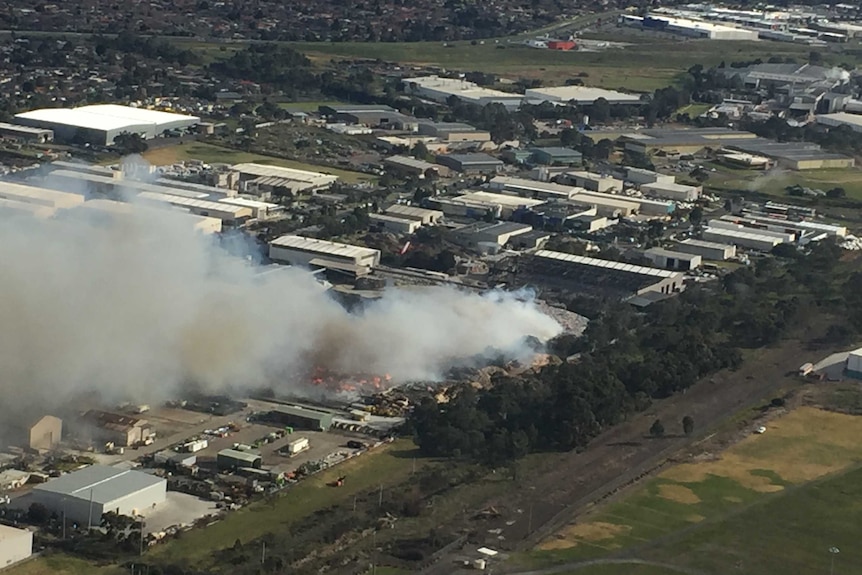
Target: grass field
(762,494)
(60,565)
(774,182)
(389,465)
(622,569)
(216,154)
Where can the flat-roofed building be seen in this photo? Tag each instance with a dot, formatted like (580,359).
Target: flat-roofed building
(640,176)
(25,133)
(278,180)
(453,131)
(608,205)
(838,119)
(707,250)
(743,225)
(15,545)
(532,188)
(671,260)
(39,196)
(593,182)
(672,191)
(501,205)
(234,459)
(580,96)
(499,233)
(556,156)
(259,210)
(440,90)
(415,167)
(227,213)
(301,417)
(394,224)
(304,251)
(682,141)
(119,429)
(471,163)
(16,208)
(753,241)
(87,494)
(423,215)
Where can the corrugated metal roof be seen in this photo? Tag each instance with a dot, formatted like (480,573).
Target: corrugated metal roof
(237,211)
(606,264)
(106,117)
(322,247)
(261,170)
(107,483)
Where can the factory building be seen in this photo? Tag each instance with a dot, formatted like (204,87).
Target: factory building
(854,364)
(121,430)
(15,545)
(227,213)
(25,134)
(393,224)
(753,241)
(671,260)
(113,211)
(452,131)
(45,433)
(439,89)
(301,417)
(12,208)
(692,28)
(580,96)
(412,166)
(793,155)
(303,251)
(593,182)
(100,124)
(260,179)
(672,191)
(797,228)
(27,194)
(640,176)
(609,205)
(555,156)
(593,275)
(682,141)
(838,119)
(424,216)
(259,210)
(532,188)
(493,234)
(740,224)
(234,459)
(471,163)
(477,204)
(707,250)
(85,495)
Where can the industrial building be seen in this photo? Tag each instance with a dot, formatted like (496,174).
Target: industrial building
(227,213)
(12,208)
(682,141)
(260,179)
(593,182)
(304,251)
(301,417)
(439,89)
(750,240)
(555,156)
(471,163)
(793,155)
(478,204)
(259,210)
(672,191)
(25,134)
(425,216)
(234,459)
(784,227)
(854,364)
(640,176)
(593,275)
(111,210)
(85,495)
(608,205)
(740,224)
(579,95)
(452,131)
(411,166)
(393,224)
(532,188)
(491,234)
(27,194)
(121,430)
(689,27)
(44,433)
(838,119)
(15,545)
(671,260)
(707,250)
(100,124)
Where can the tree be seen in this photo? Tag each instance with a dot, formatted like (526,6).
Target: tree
(657,428)
(835,193)
(127,143)
(687,425)
(696,215)
(38,513)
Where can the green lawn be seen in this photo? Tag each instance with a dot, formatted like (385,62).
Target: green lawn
(59,564)
(622,569)
(216,154)
(306,106)
(387,466)
(774,182)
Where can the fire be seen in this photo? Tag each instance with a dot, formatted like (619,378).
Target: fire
(322,377)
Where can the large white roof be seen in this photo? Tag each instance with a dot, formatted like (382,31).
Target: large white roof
(579,94)
(106,117)
(262,170)
(607,264)
(322,247)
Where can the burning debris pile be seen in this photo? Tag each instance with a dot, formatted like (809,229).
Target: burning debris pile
(349,383)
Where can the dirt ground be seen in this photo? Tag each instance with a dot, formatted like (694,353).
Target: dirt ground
(573,482)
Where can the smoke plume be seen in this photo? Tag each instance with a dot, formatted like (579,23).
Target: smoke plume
(138,306)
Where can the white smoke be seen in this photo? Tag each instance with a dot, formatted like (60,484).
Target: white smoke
(139,306)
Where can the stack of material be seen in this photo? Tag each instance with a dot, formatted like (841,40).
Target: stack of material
(571,322)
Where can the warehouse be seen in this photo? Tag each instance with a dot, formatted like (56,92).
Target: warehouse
(500,205)
(580,96)
(85,495)
(499,233)
(672,191)
(593,182)
(259,210)
(648,207)
(12,208)
(593,275)
(471,163)
(424,216)
(741,239)
(111,211)
(84,168)
(696,28)
(25,134)
(262,179)
(793,155)
(100,124)
(393,224)
(412,166)
(640,176)
(670,260)
(853,121)
(15,545)
(303,251)
(608,205)
(707,250)
(121,430)
(234,459)
(301,417)
(532,188)
(440,90)
(227,213)
(854,364)
(44,433)
(453,131)
(555,156)
(39,196)
(740,224)
(787,226)
(682,141)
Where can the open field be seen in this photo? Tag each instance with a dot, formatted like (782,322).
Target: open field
(216,154)
(307,106)
(622,569)
(712,512)
(775,181)
(59,564)
(389,464)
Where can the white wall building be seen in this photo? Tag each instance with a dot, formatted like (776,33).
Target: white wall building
(580,95)
(15,545)
(671,260)
(304,251)
(742,239)
(707,250)
(440,90)
(672,191)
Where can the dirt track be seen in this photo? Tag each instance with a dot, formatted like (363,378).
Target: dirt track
(545,502)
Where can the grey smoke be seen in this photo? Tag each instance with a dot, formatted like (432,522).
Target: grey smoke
(139,306)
